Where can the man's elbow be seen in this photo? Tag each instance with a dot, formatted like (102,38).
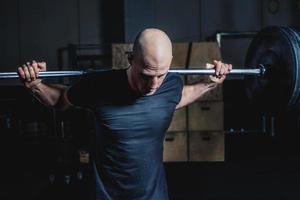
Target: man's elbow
(62,103)
(178,106)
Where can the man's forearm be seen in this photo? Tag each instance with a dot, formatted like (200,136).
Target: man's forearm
(191,93)
(50,95)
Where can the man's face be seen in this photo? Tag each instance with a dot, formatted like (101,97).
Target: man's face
(148,73)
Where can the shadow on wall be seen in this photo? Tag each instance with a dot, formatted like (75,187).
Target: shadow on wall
(112,14)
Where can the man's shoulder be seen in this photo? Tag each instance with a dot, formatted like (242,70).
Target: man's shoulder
(173,78)
(105,74)
(172,82)
(106,71)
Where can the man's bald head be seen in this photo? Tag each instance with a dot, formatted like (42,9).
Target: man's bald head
(154,42)
(150,61)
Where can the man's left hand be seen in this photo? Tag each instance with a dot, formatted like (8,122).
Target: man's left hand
(221,70)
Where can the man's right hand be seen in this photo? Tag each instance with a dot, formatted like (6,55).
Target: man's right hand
(29,72)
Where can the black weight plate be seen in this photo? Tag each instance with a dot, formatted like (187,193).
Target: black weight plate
(278,49)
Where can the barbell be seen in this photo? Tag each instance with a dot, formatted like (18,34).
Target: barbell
(200,71)
(271,67)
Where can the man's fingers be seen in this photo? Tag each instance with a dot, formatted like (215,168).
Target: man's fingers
(227,69)
(209,66)
(218,80)
(21,72)
(224,69)
(27,74)
(222,78)
(42,66)
(32,73)
(218,67)
(35,68)
(221,73)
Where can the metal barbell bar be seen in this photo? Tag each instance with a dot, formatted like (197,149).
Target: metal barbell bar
(10,75)
(255,71)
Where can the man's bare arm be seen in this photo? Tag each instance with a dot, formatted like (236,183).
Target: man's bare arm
(190,93)
(50,95)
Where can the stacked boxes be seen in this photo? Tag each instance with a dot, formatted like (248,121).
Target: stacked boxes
(176,149)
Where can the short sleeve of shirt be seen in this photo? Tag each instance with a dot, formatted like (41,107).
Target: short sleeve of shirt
(179,89)
(87,91)
(79,93)
(172,87)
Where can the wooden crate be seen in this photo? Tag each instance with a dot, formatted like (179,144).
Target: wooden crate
(120,56)
(179,61)
(179,120)
(202,53)
(207,146)
(180,55)
(175,146)
(206,116)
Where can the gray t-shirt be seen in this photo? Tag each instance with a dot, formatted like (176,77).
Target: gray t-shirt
(130,131)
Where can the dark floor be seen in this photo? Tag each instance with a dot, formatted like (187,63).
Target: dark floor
(255,169)
(251,173)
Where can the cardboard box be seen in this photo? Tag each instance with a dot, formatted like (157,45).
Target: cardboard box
(206,116)
(175,147)
(120,55)
(207,146)
(178,121)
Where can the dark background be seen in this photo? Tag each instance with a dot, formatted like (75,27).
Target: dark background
(38,143)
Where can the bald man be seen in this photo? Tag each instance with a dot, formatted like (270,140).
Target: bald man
(133,109)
